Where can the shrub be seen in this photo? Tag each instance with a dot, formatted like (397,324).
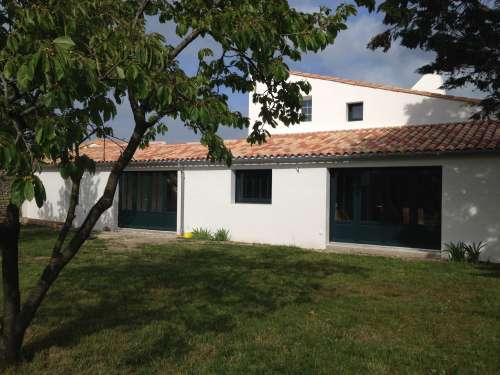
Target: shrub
(202,234)
(474,250)
(221,235)
(456,251)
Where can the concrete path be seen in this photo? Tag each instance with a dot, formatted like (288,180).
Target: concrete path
(130,239)
(387,251)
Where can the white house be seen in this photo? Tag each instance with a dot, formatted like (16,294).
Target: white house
(371,164)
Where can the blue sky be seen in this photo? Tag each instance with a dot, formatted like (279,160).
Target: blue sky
(348,57)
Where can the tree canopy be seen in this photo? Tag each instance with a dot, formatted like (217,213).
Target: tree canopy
(65,65)
(464,34)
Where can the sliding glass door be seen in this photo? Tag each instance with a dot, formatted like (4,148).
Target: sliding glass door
(387,206)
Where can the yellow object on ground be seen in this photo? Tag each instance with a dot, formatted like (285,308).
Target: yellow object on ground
(188,235)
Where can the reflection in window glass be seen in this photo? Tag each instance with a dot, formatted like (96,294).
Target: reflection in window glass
(307,109)
(344,201)
(253,186)
(355,111)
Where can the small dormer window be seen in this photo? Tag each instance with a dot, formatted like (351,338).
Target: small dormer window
(307,104)
(355,111)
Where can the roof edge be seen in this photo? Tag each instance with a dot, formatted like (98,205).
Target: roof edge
(380,86)
(303,159)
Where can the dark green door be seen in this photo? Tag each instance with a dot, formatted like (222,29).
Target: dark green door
(148,200)
(387,206)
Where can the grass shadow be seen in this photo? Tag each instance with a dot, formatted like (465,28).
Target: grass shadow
(183,293)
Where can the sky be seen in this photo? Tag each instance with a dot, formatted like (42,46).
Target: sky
(348,58)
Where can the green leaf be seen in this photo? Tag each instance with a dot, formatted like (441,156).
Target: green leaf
(24,76)
(64,42)
(40,195)
(120,72)
(29,192)
(65,170)
(8,69)
(17,192)
(181,29)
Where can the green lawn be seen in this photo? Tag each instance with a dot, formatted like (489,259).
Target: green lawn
(210,308)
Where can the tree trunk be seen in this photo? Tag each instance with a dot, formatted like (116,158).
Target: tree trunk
(62,258)
(11,337)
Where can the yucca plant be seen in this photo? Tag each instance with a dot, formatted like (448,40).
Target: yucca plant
(221,235)
(473,251)
(456,251)
(202,234)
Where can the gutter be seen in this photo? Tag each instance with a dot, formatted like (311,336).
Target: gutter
(181,183)
(285,160)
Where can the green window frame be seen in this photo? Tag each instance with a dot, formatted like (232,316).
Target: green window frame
(253,186)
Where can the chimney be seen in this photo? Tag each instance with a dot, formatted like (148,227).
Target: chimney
(431,83)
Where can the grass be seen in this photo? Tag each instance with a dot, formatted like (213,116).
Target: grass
(224,308)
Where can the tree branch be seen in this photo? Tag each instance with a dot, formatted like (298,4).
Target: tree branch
(52,270)
(140,11)
(70,216)
(180,47)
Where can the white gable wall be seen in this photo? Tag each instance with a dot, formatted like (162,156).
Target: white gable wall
(381,108)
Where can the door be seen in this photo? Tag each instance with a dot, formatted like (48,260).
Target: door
(148,200)
(387,206)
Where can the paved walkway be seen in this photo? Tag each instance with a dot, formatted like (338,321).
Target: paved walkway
(387,251)
(130,239)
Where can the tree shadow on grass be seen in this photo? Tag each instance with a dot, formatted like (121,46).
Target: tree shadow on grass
(179,296)
(488,270)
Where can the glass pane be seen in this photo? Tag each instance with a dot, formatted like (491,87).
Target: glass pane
(385,196)
(307,109)
(345,197)
(171,186)
(428,198)
(253,186)
(355,111)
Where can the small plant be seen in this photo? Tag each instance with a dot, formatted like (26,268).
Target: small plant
(456,251)
(474,250)
(202,234)
(221,235)
(206,235)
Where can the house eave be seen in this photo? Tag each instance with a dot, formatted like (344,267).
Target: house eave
(283,160)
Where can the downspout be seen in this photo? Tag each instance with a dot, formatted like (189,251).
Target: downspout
(181,208)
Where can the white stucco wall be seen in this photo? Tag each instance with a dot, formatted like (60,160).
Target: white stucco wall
(299,212)
(58,191)
(381,108)
(296,216)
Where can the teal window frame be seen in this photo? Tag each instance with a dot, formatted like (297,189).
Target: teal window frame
(253,186)
(351,115)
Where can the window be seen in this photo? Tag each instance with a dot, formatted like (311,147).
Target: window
(387,206)
(355,112)
(307,104)
(253,186)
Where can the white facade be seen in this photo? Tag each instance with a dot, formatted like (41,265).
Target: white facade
(299,212)
(58,192)
(296,215)
(381,108)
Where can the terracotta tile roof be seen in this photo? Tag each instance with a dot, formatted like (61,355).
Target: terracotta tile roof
(386,87)
(477,136)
